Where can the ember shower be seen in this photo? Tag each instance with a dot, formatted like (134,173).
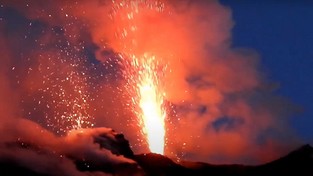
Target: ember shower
(141,71)
(145,68)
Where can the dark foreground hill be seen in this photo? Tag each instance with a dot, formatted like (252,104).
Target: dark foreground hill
(297,163)
(122,162)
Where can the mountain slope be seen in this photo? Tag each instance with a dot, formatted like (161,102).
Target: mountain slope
(297,163)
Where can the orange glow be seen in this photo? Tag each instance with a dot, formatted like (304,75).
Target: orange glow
(63,86)
(151,101)
(143,70)
(145,86)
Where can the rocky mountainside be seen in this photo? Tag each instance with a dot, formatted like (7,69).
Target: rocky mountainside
(297,163)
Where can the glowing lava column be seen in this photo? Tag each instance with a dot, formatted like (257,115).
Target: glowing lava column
(142,69)
(151,104)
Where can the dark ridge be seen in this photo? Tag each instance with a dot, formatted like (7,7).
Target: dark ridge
(155,164)
(296,163)
(119,146)
(11,168)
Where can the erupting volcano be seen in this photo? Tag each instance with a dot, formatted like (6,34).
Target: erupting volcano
(165,74)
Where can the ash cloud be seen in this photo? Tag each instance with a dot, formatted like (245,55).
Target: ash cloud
(224,111)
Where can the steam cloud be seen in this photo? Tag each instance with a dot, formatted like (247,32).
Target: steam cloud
(223,110)
(51,155)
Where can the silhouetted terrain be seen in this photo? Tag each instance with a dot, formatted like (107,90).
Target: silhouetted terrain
(297,163)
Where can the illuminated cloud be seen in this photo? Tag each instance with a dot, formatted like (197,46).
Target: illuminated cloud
(220,107)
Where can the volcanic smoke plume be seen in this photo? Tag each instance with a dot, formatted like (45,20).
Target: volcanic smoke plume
(68,65)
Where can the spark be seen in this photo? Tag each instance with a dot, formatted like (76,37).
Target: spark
(70,98)
(61,91)
(143,72)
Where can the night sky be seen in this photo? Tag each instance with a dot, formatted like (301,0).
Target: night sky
(281,32)
(235,77)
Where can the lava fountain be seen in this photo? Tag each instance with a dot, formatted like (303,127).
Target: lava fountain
(145,86)
(151,100)
(143,69)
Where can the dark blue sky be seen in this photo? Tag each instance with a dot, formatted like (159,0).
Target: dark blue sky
(282,33)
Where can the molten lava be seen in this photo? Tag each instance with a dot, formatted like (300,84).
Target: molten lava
(151,105)
(144,76)
(143,70)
